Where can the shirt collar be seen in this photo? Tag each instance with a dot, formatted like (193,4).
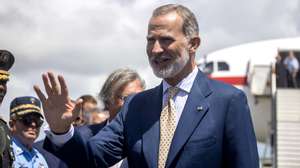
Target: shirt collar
(185,84)
(19,148)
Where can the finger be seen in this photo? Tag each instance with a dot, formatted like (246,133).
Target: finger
(77,109)
(71,104)
(63,85)
(47,84)
(39,94)
(54,83)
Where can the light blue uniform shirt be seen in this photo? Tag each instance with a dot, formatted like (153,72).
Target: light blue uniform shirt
(27,159)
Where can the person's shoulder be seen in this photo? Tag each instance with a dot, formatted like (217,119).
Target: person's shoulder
(37,151)
(39,145)
(223,89)
(90,129)
(98,126)
(17,147)
(95,128)
(146,94)
(150,91)
(143,98)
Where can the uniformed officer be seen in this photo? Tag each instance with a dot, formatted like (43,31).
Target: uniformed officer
(25,122)
(6,154)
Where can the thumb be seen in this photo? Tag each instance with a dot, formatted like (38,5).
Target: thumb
(77,108)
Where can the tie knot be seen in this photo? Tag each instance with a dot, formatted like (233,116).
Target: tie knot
(172,91)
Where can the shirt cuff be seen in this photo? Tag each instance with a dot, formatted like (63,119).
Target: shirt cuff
(59,140)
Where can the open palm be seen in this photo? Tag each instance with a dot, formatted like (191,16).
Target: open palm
(60,111)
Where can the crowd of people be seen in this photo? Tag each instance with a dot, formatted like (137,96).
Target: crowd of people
(188,120)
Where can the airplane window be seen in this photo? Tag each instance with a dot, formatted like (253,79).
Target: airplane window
(223,66)
(209,67)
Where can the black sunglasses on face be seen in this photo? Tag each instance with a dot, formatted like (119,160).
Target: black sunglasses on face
(28,119)
(3,82)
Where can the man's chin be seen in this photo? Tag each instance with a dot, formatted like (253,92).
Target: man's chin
(164,73)
(160,74)
(31,136)
(31,139)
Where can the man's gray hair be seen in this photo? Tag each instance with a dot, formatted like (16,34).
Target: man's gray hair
(116,81)
(190,25)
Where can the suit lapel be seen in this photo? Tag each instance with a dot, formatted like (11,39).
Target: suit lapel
(194,110)
(151,129)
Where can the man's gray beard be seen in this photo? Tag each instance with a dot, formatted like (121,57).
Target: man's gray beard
(172,69)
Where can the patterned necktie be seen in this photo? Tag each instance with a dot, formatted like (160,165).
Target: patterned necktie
(167,127)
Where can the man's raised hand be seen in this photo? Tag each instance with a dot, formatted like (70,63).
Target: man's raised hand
(58,107)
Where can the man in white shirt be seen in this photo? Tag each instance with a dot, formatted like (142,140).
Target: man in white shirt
(292,66)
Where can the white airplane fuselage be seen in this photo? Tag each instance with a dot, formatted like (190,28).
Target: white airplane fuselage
(243,66)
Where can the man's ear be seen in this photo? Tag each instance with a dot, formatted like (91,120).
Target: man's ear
(11,123)
(194,43)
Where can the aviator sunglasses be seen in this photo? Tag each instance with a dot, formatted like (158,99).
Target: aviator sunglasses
(28,119)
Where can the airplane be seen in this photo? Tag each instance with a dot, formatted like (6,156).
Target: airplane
(249,67)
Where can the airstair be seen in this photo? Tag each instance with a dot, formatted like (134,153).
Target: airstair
(287,128)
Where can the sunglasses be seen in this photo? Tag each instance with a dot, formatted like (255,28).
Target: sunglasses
(3,82)
(28,119)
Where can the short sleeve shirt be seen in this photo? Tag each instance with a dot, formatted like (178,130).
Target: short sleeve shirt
(25,158)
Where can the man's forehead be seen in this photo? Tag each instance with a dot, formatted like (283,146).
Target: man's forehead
(152,28)
(170,16)
(168,20)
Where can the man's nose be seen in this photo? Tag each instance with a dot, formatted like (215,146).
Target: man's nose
(2,90)
(2,87)
(33,124)
(157,48)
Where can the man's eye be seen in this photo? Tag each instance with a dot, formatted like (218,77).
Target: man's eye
(166,40)
(150,40)
(3,82)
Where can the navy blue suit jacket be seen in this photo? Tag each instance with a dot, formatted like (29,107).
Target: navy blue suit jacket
(214,131)
(88,131)
(52,160)
(73,158)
